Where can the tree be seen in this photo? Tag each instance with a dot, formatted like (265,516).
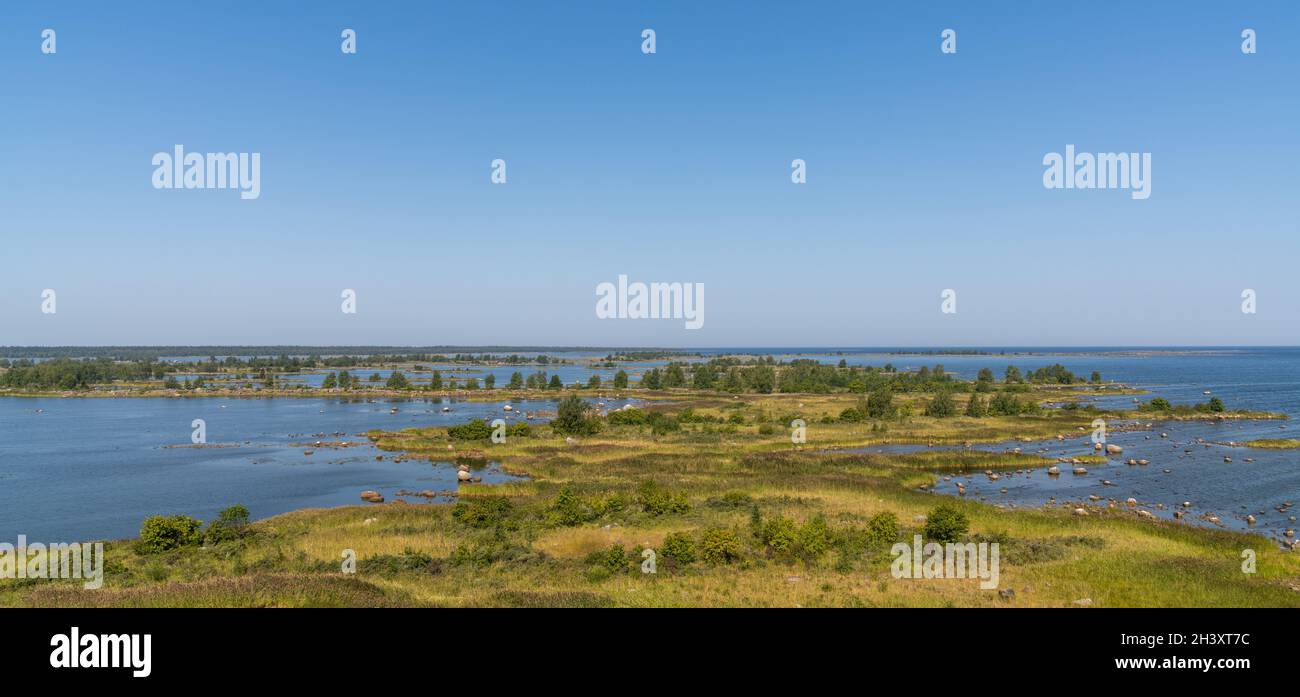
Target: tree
(985,375)
(1096,378)
(976,406)
(516,380)
(397,381)
(1005,404)
(331,381)
(1013,375)
(652,380)
(435,380)
(880,403)
(1215,404)
(620,380)
(674,376)
(489,381)
(941,405)
(594,381)
(345,380)
(555,383)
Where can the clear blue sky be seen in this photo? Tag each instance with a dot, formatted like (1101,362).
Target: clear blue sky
(924,172)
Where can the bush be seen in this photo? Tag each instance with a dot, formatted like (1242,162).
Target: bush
(392,564)
(678,549)
(614,560)
(661,424)
(814,537)
(946,524)
(657,501)
(519,429)
(482,513)
(231,524)
(1160,404)
(766,430)
(162,533)
(719,546)
(627,417)
(569,510)
(882,529)
(478,429)
(572,418)
(780,536)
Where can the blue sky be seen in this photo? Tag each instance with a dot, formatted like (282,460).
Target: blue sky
(924,172)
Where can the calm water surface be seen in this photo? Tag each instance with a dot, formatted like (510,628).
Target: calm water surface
(76,469)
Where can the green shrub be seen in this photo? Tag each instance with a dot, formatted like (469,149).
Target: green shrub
(478,429)
(482,513)
(231,524)
(569,509)
(162,533)
(766,430)
(814,537)
(572,418)
(391,564)
(627,417)
(658,501)
(719,546)
(519,429)
(780,536)
(732,500)
(662,424)
(946,524)
(882,529)
(614,559)
(678,549)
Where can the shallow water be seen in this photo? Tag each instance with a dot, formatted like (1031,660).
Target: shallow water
(77,469)
(1197,473)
